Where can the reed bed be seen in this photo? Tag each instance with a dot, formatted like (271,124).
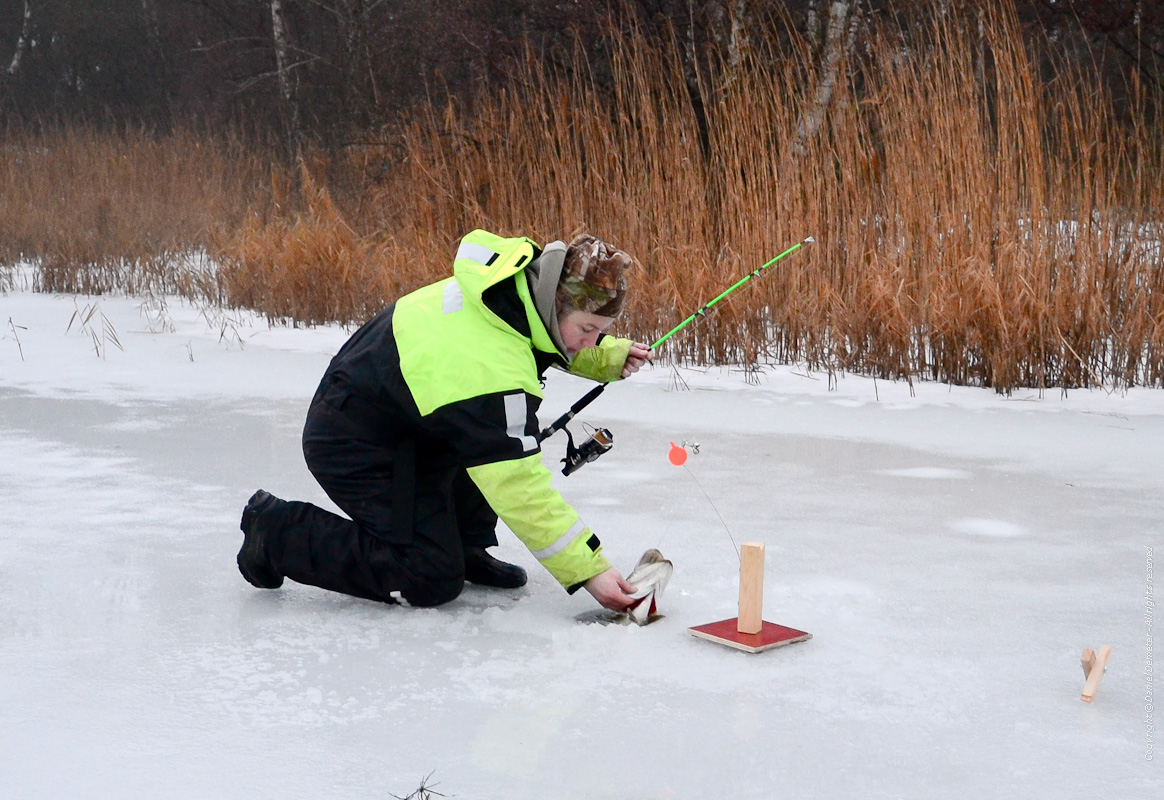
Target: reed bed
(101,210)
(310,267)
(976,222)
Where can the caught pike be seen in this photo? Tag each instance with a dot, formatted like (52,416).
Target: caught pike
(649,577)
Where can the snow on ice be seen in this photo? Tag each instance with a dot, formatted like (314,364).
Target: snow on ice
(951,550)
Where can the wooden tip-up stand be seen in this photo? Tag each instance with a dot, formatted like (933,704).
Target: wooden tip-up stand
(1094,665)
(749,632)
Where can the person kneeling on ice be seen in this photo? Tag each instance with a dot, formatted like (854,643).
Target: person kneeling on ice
(424,429)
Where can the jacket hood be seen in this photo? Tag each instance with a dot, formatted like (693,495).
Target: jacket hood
(484,261)
(543,276)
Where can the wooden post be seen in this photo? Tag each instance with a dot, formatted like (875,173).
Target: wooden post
(748,631)
(751,618)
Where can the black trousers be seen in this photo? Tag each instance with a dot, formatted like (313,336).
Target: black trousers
(386,546)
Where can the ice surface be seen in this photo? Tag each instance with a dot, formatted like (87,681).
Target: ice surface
(930,473)
(997,528)
(951,551)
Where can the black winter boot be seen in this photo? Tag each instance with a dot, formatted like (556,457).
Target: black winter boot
(484,569)
(252,559)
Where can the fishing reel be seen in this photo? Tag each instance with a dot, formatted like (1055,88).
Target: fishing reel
(600,441)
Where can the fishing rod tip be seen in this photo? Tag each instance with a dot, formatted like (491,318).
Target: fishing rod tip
(810,240)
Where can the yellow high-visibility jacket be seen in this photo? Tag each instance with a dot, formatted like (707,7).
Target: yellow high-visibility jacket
(460,360)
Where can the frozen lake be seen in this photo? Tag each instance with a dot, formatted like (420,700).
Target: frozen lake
(952,553)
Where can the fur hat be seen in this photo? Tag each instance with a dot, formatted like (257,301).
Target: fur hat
(592,278)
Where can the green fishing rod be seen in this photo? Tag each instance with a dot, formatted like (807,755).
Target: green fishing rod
(602,439)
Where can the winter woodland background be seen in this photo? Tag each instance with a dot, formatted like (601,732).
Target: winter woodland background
(982,178)
(199,198)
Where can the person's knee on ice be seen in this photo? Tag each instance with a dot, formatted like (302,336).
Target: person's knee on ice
(433,591)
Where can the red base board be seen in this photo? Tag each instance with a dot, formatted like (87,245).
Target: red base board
(770,635)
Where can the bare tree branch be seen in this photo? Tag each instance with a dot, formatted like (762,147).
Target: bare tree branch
(279,33)
(812,25)
(738,41)
(22,41)
(830,67)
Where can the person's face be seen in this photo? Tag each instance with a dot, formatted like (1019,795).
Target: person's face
(581,329)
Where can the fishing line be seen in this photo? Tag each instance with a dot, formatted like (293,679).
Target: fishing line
(678,457)
(716,510)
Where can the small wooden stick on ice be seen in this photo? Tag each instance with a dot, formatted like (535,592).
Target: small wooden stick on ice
(1095,673)
(1088,661)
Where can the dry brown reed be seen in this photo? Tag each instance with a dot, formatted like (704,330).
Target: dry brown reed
(101,211)
(309,267)
(976,222)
